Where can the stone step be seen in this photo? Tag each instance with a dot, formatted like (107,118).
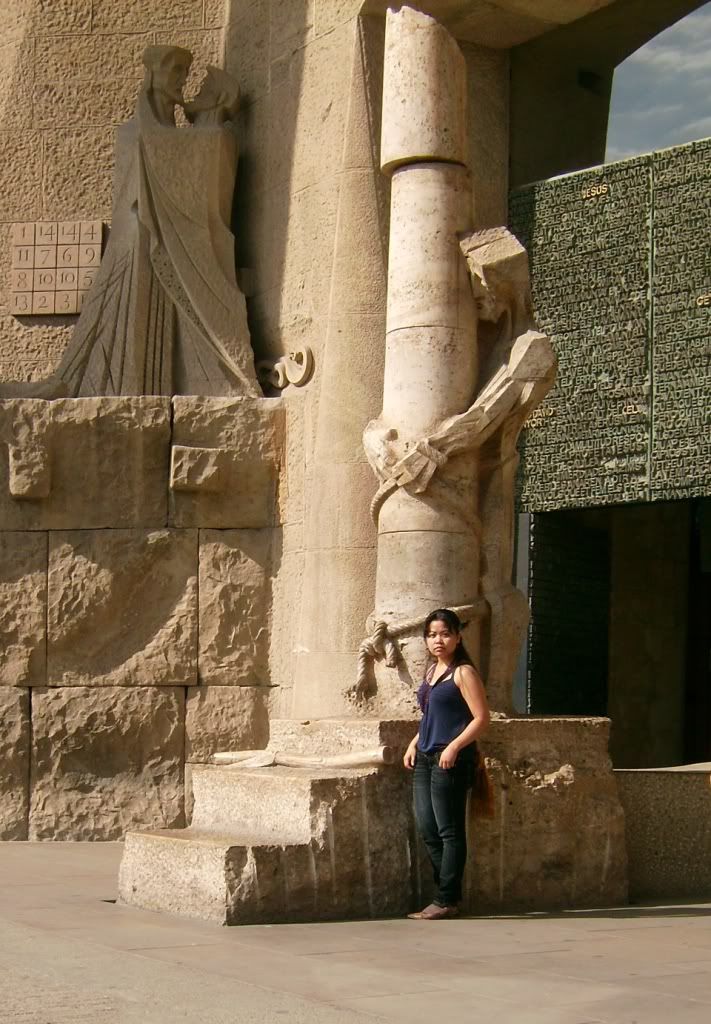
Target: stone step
(340,735)
(228,879)
(279,844)
(273,802)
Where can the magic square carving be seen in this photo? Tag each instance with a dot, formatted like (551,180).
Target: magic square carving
(53,266)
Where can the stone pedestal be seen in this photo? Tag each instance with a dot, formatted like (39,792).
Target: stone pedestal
(299,844)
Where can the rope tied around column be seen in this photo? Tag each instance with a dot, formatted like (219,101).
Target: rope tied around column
(382,643)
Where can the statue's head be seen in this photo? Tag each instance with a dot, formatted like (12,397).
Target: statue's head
(217,100)
(167,69)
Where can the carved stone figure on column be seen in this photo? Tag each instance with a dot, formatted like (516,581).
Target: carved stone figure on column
(165,315)
(463,369)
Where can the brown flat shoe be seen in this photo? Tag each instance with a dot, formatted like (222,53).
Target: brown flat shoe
(434,913)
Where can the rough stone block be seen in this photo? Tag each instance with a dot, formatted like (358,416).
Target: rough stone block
(29,470)
(16,57)
(139,16)
(23,608)
(224,718)
(332,858)
(251,432)
(78,162)
(21,158)
(197,469)
(14,763)
(558,837)
(103,462)
(122,608)
(234,606)
(104,761)
(49,18)
(97,103)
(215,13)
(29,351)
(290,844)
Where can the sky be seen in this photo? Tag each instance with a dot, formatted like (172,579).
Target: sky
(661,95)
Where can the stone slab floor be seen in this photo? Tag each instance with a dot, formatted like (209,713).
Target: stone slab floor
(68,955)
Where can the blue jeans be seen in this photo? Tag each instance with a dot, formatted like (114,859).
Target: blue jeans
(441,814)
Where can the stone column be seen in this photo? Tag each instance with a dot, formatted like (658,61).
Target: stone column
(427,542)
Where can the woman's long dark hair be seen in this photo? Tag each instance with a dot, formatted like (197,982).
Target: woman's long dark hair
(454,625)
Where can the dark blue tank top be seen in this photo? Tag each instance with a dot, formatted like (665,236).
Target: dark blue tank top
(445,713)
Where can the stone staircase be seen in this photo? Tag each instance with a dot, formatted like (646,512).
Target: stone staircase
(284,844)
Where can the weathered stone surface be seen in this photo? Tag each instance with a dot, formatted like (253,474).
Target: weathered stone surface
(59,16)
(20,153)
(23,608)
(105,462)
(330,859)
(251,432)
(424,93)
(234,606)
(286,844)
(197,469)
(78,58)
(14,763)
(69,176)
(668,830)
(96,103)
(28,352)
(328,735)
(29,470)
(137,16)
(286,595)
(122,608)
(558,837)
(331,13)
(215,13)
(224,718)
(104,761)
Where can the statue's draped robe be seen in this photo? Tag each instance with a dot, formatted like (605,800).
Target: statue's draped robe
(165,315)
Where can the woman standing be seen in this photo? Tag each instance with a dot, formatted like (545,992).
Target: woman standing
(444,756)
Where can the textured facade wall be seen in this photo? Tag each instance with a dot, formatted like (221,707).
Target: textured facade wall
(621,284)
(132,640)
(69,73)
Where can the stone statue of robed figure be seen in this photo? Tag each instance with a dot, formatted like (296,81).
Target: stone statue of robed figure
(165,315)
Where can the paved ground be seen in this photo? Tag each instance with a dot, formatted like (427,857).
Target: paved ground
(68,955)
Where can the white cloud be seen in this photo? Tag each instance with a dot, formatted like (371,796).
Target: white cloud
(660,95)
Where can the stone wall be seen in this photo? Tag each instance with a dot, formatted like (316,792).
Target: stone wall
(135,603)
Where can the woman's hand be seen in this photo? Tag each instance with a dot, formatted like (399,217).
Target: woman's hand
(410,754)
(448,757)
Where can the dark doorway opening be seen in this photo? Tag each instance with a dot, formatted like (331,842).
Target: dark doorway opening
(621,625)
